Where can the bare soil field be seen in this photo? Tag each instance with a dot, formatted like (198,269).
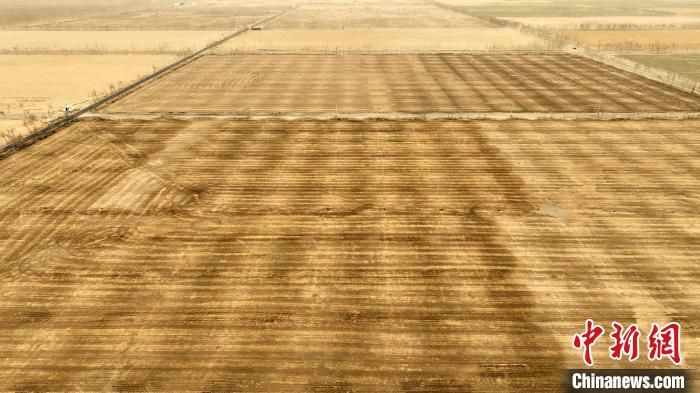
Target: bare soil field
(372,16)
(350,256)
(415,83)
(22,13)
(611,22)
(40,84)
(106,42)
(383,40)
(666,40)
(172,18)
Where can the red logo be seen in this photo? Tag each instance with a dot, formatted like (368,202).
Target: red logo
(663,342)
(586,340)
(626,342)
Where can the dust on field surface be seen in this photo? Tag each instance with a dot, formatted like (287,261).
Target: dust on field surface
(136,42)
(369,256)
(416,83)
(383,40)
(39,84)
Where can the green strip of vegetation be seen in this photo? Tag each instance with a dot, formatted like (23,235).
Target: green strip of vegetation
(686,65)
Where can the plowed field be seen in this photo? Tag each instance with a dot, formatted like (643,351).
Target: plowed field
(402,83)
(340,256)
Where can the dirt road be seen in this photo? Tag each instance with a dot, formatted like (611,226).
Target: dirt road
(340,256)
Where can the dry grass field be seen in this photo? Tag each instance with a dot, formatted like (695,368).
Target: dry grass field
(340,256)
(372,16)
(667,40)
(611,22)
(201,17)
(383,40)
(11,129)
(402,83)
(107,42)
(42,83)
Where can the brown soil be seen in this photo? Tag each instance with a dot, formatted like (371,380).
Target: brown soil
(403,83)
(340,256)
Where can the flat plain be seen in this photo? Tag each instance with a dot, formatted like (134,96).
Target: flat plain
(42,83)
(129,42)
(415,83)
(649,40)
(201,17)
(609,22)
(391,40)
(687,65)
(340,255)
(372,15)
(160,245)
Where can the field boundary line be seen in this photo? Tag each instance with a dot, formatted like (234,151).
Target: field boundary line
(396,116)
(53,127)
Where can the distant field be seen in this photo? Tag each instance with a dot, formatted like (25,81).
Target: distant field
(610,22)
(677,40)
(178,41)
(366,16)
(415,83)
(689,11)
(171,18)
(379,40)
(41,83)
(685,65)
(21,13)
(554,10)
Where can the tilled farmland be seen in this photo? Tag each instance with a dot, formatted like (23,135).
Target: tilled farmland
(339,255)
(414,83)
(387,220)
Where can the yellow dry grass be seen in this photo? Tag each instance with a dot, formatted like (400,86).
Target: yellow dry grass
(676,40)
(608,22)
(378,40)
(106,41)
(15,125)
(42,83)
